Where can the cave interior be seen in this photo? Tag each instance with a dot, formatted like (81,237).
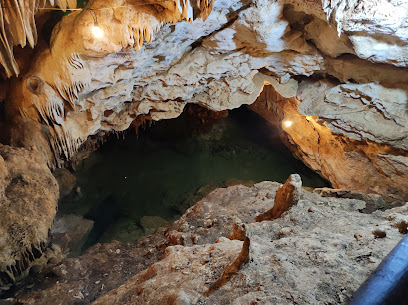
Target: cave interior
(203,152)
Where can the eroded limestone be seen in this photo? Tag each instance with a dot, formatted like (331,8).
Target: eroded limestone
(28,199)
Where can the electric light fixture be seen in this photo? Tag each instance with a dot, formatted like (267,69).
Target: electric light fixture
(287,123)
(96,30)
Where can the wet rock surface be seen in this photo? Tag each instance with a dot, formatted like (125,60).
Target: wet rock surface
(70,232)
(317,252)
(66,181)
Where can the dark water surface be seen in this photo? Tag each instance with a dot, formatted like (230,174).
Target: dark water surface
(170,166)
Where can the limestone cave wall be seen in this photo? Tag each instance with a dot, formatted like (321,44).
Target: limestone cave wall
(342,63)
(335,69)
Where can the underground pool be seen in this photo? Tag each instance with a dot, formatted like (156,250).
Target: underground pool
(136,182)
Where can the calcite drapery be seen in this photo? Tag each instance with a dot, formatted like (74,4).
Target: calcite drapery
(17,27)
(81,86)
(70,69)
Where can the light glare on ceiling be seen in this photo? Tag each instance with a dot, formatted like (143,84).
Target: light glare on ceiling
(287,123)
(97,32)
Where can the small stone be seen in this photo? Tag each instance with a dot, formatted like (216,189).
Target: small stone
(402,226)
(379,233)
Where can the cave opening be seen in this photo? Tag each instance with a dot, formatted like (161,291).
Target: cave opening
(137,182)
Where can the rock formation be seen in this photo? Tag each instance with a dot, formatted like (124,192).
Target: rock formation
(364,165)
(318,252)
(342,62)
(17,27)
(28,201)
(337,71)
(286,196)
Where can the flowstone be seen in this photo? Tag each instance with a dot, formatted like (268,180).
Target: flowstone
(28,199)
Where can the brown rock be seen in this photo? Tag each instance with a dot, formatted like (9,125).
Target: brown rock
(66,181)
(28,199)
(286,196)
(380,233)
(238,231)
(232,269)
(349,163)
(400,221)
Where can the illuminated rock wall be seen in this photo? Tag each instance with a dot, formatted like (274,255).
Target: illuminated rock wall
(343,61)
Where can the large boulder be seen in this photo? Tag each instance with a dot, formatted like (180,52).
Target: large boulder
(28,201)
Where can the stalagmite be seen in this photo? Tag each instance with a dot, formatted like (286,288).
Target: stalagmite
(286,196)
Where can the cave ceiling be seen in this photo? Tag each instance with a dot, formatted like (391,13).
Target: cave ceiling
(343,61)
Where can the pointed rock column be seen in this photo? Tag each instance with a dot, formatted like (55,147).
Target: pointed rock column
(286,196)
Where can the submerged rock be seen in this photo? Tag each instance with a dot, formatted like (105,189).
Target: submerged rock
(151,223)
(70,232)
(318,252)
(123,230)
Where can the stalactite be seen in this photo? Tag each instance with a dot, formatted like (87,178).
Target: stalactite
(69,91)
(63,143)
(335,9)
(76,61)
(17,27)
(59,90)
(27,257)
(51,112)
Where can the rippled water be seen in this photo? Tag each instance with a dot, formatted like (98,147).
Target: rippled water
(132,185)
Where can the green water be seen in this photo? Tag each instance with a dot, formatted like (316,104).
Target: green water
(171,165)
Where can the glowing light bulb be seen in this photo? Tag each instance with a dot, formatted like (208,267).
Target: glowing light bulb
(287,123)
(97,32)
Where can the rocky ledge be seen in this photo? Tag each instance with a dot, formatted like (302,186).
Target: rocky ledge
(317,252)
